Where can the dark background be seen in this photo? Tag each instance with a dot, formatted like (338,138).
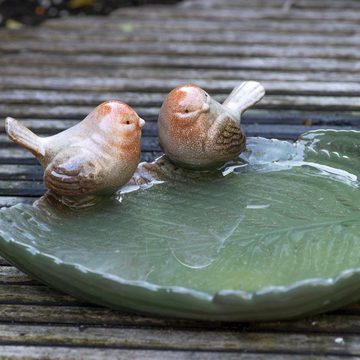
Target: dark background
(13,13)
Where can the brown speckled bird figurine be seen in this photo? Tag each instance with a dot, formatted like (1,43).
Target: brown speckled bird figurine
(197,132)
(95,156)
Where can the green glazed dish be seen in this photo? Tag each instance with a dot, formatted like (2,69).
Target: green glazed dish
(275,235)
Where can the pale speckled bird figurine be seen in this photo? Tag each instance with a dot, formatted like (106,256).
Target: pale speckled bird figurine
(96,156)
(197,132)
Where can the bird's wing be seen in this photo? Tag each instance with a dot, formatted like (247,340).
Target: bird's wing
(226,137)
(77,173)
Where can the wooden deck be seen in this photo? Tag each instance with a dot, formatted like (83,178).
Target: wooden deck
(305,52)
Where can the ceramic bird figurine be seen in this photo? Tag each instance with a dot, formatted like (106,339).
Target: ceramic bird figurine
(95,156)
(197,132)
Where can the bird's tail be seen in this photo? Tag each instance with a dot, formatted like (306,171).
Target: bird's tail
(244,96)
(22,136)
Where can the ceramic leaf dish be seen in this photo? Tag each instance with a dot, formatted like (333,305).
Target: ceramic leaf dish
(274,235)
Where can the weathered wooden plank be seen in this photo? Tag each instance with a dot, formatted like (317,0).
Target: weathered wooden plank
(192,44)
(19,172)
(250,50)
(327,323)
(63,28)
(22,188)
(186,75)
(139,24)
(224,14)
(179,339)
(93,89)
(338,325)
(113,33)
(96,316)
(33,294)
(308,4)
(181,61)
(195,25)
(227,36)
(11,275)
(64,353)
(3,262)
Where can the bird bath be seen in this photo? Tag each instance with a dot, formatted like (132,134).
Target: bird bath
(274,235)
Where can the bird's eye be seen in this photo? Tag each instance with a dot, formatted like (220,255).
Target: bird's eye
(186,110)
(128,122)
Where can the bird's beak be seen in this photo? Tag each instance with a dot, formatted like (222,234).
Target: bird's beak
(141,122)
(206,107)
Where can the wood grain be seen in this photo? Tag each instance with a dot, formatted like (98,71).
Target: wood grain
(62,353)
